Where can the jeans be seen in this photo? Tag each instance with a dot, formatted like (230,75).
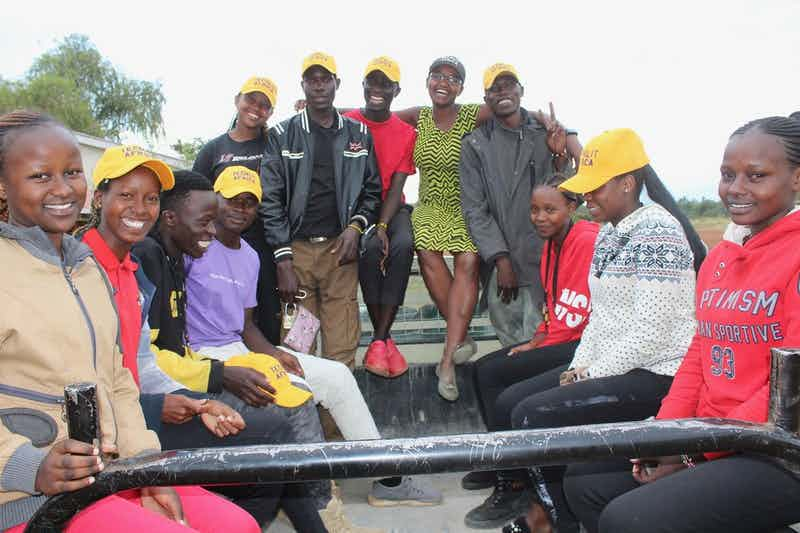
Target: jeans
(391,288)
(332,384)
(265,425)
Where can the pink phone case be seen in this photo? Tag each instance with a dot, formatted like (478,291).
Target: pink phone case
(304,330)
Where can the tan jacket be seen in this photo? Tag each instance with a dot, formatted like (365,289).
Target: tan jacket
(58,325)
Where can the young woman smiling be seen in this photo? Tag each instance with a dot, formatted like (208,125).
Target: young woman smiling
(244,144)
(126,205)
(564,273)
(641,282)
(726,375)
(63,329)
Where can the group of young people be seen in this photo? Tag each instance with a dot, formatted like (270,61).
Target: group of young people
(170,300)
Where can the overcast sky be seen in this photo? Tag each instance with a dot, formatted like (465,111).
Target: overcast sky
(683,74)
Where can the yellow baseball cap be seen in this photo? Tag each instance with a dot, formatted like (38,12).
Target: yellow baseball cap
(236,180)
(495,71)
(264,86)
(322,59)
(119,160)
(286,394)
(612,153)
(385,64)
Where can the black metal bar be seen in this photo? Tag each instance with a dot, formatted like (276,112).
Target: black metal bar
(80,401)
(452,453)
(457,453)
(784,404)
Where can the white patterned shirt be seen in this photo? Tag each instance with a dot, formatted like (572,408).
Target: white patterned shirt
(642,285)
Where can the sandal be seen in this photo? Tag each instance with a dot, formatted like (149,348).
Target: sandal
(447,390)
(465,351)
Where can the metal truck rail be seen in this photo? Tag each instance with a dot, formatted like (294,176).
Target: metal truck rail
(777,438)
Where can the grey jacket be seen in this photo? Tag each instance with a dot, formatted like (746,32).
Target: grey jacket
(496,208)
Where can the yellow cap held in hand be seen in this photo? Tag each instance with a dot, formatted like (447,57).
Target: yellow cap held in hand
(384,64)
(497,70)
(286,394)
(320,59)
(236,180)
(612,153)
(264,86)
(119,160)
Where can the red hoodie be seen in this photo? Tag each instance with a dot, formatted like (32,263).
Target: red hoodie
(748,301)
(565,278)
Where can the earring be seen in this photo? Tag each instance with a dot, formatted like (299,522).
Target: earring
(626,190)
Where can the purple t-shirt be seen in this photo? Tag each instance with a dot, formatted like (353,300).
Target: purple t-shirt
(220,285)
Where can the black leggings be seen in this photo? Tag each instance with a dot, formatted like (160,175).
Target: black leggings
(635,395)
(498,371)
(736,494)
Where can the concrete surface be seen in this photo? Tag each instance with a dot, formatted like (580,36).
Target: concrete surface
(446,518)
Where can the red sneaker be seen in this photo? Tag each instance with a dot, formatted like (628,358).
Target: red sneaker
(376,360)
(397,363)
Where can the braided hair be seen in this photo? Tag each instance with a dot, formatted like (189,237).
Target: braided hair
(11,125)
(785,128)
(555,180)
(94,214)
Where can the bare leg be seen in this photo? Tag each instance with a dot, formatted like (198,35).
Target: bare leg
(437,277)
(460,304)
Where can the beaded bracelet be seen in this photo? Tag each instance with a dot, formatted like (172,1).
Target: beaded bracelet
(383,225)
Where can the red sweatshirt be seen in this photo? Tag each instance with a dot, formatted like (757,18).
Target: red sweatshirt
(748,301)
(565,278)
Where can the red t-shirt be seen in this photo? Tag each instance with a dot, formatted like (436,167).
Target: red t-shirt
(748,301)
(394,146)
(568,312)
(126,296)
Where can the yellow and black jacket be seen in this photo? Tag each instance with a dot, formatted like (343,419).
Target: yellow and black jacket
(167,321)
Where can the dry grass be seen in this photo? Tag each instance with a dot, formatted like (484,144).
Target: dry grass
(711,229)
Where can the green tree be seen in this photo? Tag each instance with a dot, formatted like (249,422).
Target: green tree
(703,208)
(53,95)
(189,149)
(74,78)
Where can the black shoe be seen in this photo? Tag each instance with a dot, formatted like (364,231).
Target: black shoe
(508,500)
(520,525)
(479,480)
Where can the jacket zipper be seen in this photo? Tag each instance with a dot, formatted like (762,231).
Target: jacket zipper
(74,289)
(35,396)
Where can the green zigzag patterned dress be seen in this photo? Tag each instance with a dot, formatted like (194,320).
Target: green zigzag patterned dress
(437,218)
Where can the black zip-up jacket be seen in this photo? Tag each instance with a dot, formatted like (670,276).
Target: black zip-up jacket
(167,320)
(286,178)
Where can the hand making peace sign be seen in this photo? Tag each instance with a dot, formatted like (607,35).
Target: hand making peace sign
(556,134)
